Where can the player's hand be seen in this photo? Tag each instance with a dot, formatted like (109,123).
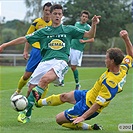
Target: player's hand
(123,34)
(25,55)
(96,19)
(82,41)
(1,48)
(78,119)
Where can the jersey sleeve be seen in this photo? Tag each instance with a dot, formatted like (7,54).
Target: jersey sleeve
(101,98)
(89,27)
(34,37)
(76,24)
(32,27)
(77,33)
(73,31)
(108,91)
(127,61)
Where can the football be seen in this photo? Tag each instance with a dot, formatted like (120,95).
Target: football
(19,102)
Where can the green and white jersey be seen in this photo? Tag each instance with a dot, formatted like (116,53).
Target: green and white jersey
(75,44)
(55,41)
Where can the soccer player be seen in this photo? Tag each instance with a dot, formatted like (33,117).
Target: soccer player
(77,46)
(35,54)
(55,47)
(89,103)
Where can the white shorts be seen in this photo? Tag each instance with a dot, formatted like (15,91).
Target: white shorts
(75,57)
(60,68)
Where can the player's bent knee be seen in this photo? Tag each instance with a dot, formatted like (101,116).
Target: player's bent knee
(26,76)
(58,120)
(63,97)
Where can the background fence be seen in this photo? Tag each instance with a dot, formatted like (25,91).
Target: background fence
(18,60)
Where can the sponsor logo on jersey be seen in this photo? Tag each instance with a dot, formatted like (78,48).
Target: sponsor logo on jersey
(56,44)
(112,82)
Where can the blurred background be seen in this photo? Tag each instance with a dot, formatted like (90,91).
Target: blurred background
(16,17)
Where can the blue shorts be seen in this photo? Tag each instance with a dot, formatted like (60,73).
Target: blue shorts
(80,107)
(34,59)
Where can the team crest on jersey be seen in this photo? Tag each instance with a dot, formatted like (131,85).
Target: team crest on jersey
(56,44)
(127,60)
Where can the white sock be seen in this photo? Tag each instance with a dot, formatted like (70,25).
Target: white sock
(86,126)
(44,102)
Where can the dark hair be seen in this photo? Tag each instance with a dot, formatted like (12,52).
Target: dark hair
(48,4)
(116,54)
(56,6)
(85,12)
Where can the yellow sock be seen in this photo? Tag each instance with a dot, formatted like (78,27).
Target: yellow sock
(21,84)
(39,103)
(73,126)
(78,126)
(45,92)
(52,100)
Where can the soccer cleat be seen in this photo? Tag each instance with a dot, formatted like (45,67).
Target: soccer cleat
(78,87)
(14,94)
(21,116)
(25,120)
(57,85)
(96,127)
(35,94)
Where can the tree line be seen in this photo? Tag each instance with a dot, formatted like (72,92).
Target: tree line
(115,15)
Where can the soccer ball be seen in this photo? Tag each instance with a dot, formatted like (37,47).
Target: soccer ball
(19,102)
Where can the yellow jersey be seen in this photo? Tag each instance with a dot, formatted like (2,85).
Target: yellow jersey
(37,24)
(108,85)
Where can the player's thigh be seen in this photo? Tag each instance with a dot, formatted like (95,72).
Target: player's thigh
(49,76)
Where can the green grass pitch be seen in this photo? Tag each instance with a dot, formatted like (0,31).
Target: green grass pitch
(119,111)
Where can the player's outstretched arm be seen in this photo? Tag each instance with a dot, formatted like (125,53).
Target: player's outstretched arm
(128,44)
(87,41)
(91,33)
(17,41)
